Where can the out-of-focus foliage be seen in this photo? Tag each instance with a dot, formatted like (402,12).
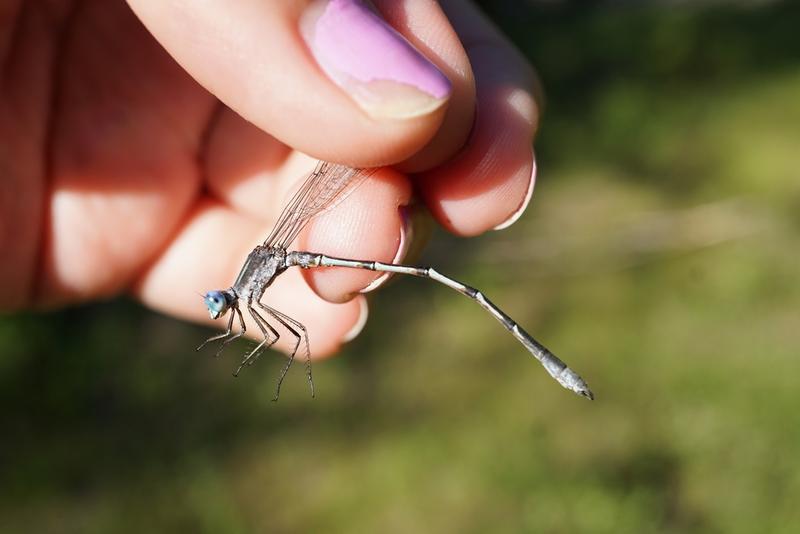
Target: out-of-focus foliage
(659,257)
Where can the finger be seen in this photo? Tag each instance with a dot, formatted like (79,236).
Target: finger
(369,224)
(426,26)
(123,157)
(315,74)
(248,169)
(208,253)
(490,182)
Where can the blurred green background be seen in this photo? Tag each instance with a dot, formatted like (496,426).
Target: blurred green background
(659,257)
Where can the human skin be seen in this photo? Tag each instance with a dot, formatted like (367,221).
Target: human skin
(146,148)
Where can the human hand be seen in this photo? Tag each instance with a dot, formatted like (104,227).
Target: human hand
(121,171)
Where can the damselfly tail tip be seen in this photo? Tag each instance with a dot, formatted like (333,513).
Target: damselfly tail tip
(570,380)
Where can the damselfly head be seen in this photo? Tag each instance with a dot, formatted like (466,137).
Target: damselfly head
(217,303)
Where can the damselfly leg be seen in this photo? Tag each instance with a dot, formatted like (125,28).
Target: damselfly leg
(266,343)
(229,334)
(292,326)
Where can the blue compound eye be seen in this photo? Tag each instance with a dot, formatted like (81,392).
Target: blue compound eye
(216,303)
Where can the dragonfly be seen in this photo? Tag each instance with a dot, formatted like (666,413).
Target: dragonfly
(323,188)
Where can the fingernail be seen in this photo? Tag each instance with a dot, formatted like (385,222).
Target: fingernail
(528,194)
(362,320)
(406,235)
(381,71)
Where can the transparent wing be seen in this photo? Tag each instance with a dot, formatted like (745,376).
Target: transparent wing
(327,185)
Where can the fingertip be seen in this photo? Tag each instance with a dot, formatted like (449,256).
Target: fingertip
(368,225)
(490,181)
(425,24)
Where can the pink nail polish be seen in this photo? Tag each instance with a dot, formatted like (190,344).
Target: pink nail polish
(377,67)
(528,194)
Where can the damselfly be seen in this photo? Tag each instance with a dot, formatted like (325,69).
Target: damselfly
(321,190)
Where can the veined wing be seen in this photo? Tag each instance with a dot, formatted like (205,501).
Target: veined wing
(328,184)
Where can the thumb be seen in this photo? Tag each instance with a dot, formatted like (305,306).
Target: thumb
(332,79)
